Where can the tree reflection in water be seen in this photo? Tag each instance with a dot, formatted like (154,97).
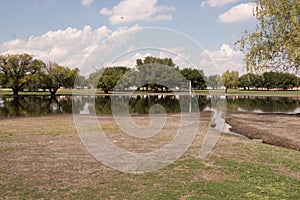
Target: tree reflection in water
(138,104)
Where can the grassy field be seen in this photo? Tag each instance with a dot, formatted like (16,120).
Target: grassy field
(42,158)
(265,93)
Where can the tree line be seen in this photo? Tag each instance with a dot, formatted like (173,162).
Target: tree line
(267,80)
(22,72)
(150,74)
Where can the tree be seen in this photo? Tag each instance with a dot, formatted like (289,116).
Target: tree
(258,81)
(17,70)
(81,82)
(247,80)
(157,73)
(2,79)
(269,80)
(196,78)
(214,81)
(286,81)
(107,78)
(54,76)
(230,79)
(276,42)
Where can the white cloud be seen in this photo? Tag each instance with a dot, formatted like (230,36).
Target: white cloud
(226,58)
(69,47)
(241,12)
(86,47)
(216,3)
(86,2)
(137,10)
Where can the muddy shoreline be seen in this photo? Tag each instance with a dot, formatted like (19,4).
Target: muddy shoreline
(277,129)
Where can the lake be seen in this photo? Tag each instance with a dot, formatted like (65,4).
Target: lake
(140,104)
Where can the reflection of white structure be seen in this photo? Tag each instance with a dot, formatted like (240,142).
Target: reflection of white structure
(298,77)
(1,103)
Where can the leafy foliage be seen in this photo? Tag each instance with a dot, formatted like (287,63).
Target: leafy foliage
(276,42)
(107,78)
(214,81)
(268,80)
(230,79)
(53,77)
(158,73)
(196,77)
(18,71)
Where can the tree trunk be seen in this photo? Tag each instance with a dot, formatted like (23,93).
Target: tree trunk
(226,88)
(15,91)
(53,92)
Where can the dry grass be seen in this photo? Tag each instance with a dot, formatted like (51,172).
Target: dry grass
(43,158)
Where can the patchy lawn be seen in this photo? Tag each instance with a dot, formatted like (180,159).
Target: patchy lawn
(43,157)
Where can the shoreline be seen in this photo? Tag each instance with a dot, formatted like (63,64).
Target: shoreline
(278,129)
(156,94)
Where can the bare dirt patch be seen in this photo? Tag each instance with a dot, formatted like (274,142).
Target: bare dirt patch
(277,129)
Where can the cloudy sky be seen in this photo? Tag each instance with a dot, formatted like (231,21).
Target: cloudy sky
(73,32)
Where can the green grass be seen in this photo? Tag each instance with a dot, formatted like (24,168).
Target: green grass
(291,93)
(266,93)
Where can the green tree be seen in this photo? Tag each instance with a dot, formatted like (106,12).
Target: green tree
(276,42)
(258,81)
(157,73)
(81,82)
(53,77)
(214,81)
(230,79)
(196,77)
(286,81)
(17,70)
(269,80)
(2,79)
(107,78)
(151,60)
(247,80)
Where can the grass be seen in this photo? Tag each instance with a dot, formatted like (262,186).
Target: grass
(291,93)
(288,93)
(236,169)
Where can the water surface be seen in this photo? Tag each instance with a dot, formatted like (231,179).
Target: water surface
(140,104)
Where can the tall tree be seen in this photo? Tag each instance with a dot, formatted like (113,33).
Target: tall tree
(54,76)
(157,73)
(269,80)
(247,80)
(230,79)
(17,70)
(196,77)
(107,78)
(286,81)
(276,42)
(214,81)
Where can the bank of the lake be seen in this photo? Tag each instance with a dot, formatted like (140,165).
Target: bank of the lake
(231,92)
(277,129)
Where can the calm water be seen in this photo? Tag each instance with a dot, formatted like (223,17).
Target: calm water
(44,105)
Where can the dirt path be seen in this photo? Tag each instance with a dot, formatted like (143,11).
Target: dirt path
(277,129)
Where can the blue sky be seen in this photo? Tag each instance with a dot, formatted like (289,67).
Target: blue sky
(50,29)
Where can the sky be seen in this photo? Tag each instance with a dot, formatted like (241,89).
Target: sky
(95,33)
